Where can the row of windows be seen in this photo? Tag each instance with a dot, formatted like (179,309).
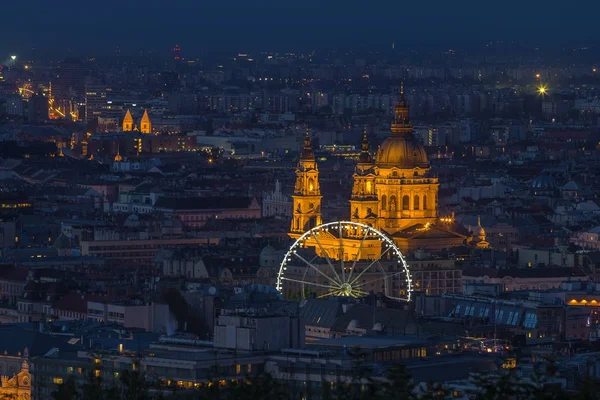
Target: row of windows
(530,320)
(405,203)
(513,317)
(69,314)
(191,218)
(400,354)
(25,307)
(436,274)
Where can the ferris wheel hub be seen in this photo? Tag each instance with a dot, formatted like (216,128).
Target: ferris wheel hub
(346,289)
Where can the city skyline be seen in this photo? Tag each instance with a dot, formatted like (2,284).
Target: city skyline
(301,201)
(80,29)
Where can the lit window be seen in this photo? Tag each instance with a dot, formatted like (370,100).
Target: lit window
(238,368)
(57,380)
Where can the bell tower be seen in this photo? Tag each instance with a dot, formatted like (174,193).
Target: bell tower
(307,192)
(363,202)
(128,122)
(146,124)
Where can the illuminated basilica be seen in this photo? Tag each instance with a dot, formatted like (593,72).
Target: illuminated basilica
(395,193)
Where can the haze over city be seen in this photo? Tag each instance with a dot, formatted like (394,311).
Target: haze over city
(87,29)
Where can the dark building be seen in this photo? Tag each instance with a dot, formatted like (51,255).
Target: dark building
(95,101)
(38,109)
(68,85)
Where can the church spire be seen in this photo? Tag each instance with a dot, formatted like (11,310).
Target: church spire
(146,124)
(401,123)
(307,151)
(128,122)
(365,156)
(480,230)
(118,157)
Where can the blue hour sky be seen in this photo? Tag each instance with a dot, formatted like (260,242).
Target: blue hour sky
(233,25)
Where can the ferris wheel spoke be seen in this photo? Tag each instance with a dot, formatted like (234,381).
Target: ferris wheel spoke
(358,254)
(370,265)
(327,259)
(358,293)
(304,277)
(330,293)
(378,279)
(305,282)
(316,269)
(341,234)
(385,281)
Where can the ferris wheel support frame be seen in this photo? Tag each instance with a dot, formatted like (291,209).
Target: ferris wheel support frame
(345,285)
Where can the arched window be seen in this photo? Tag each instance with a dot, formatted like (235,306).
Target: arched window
(416,205)
(405,203)
(424,202)
(393,206)
(311,184)
(369,187)
(384,202)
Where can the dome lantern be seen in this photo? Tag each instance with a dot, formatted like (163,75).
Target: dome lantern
(401,149)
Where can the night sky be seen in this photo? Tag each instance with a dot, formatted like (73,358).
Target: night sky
(234,25)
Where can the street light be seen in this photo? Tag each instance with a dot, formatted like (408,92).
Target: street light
(13,58)
(542,90)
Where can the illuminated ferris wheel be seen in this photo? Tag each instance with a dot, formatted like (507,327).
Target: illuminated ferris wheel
(346,259)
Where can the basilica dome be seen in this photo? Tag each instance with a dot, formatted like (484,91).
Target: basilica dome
(401,151)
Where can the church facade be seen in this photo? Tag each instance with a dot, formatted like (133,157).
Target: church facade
(395,192)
